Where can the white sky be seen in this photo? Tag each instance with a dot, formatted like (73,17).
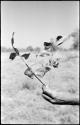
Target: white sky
(37,21)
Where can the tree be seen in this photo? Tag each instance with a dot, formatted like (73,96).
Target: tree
(75,36)
(37,49)
(30,48)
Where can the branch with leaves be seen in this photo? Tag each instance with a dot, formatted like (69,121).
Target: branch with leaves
(52,96)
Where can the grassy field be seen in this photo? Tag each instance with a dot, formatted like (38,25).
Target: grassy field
(21,99)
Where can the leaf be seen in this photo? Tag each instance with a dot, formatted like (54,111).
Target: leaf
(26,56)
(53,63)
(16,50)
(12,41)
(58,37)
(59,43)
(29,73)
(12,56)
(42,71)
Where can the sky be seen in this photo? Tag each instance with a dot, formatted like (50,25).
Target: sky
(35,22)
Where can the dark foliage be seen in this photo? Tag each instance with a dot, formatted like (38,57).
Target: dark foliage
(29,73)
(58,38)
(26,56)
(12,56)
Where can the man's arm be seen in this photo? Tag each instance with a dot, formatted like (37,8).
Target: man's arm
(60,96)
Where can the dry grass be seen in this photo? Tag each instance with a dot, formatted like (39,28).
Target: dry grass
(21,100)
